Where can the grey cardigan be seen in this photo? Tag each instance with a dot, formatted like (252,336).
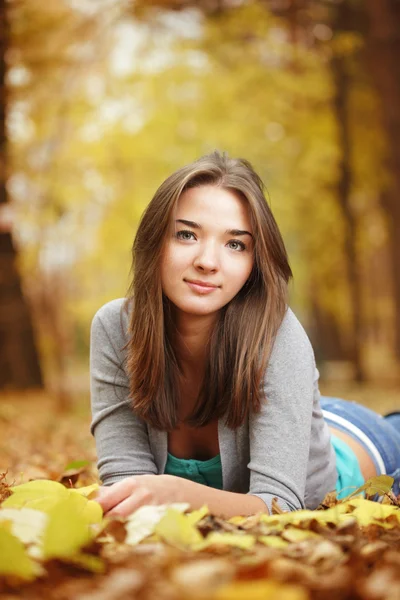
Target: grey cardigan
(284,451)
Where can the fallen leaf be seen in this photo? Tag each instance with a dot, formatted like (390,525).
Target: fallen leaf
(77,464)
(175,529)
(88,491)
(273,541)
(292,534)
(260,590)
(367,513)
(40,495)
(197,515)
(27,524)
(142,522)
(14,559)
(212,573)
(325,553)
(67,531)
(381,484)
(215,538)
(89,562)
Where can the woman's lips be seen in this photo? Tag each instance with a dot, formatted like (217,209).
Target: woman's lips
(201,289)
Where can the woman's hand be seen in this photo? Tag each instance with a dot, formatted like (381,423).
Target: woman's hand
(124,497)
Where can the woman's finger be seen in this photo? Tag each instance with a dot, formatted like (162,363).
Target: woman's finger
(116,493)
(138,498)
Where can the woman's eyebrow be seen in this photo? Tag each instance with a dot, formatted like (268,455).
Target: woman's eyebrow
(194,225)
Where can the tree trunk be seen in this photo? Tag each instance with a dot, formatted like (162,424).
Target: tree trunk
(340,104)
(325,334)
(19,363)
(383,52)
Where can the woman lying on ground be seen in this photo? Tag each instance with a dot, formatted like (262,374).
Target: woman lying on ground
(204,385)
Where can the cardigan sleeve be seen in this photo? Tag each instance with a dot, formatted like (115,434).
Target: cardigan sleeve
(280,433)
(122,441)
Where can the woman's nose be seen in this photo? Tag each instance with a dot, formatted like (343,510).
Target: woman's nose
(207,258)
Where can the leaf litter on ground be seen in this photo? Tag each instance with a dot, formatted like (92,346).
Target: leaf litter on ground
(55,544)
(50,532)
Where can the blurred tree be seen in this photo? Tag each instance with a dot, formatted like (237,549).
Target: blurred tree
(108,105)
(383,53)
(296,66)
(339,65)
(19,361)
(55,50)
(378,24)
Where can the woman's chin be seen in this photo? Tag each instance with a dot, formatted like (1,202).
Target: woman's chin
(197,311)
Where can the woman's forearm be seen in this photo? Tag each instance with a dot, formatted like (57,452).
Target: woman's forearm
(220,503)
(126,496)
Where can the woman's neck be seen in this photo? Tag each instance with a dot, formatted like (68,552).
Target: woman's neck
(191,341)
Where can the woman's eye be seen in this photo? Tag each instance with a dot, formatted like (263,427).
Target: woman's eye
(238,245)
(184,235)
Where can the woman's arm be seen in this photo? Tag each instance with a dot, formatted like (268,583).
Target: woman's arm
(121,438)
(128,495)
(283,432)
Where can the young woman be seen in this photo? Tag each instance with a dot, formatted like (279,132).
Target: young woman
(204,385)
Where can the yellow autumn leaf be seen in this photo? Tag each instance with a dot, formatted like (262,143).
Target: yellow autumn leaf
(153,539)
(381,484)
(44,495)
(141,523)
(40,495)
(331,515)
(93,513)
(292,534)
(26,524)
(175,529)
(367,513)
(45,504)
(14,559)
(273,541)
(212,572)
(197,515)
(90,509)
(89,491)
(260,590)
(67,531)
(237,540)
(88,561)
(238,520)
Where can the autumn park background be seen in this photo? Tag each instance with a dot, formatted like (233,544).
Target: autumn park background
(102,99)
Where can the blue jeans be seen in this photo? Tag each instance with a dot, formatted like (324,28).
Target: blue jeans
(379,435)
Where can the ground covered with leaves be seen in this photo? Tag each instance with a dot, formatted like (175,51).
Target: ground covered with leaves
(55,543)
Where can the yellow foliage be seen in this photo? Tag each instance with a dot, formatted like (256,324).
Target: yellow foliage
(332,515)
(260,590)
(143,521)
(177,530)
(374,513)
(237,540)
(197,515)
(88,491)
(26,524)
(238,520)
(40,495)
(66,532)
(14,559)
(273,541)
(380,484)
(292,534)
(44,495)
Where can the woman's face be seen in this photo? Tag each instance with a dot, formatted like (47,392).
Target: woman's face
(212,244)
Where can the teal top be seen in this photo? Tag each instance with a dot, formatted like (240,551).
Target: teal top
(348,468)
(209,472)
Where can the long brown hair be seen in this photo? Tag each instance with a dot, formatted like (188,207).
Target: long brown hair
(241,341)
